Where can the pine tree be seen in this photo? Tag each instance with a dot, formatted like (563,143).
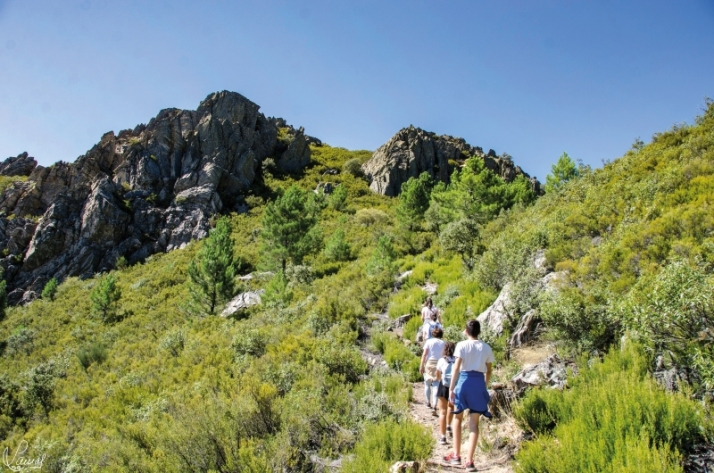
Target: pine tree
(104,298)
(212,272)
(50,289)
(414,201)
(562,171)
(3,298)
(289,227)
(337,248)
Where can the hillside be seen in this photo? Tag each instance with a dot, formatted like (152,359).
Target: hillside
(297,382)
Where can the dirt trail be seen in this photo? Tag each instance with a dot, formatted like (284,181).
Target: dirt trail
(494,434)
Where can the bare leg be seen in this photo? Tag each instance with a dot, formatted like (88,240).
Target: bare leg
(443,406)
(456,427)
(473,434)
(450,415)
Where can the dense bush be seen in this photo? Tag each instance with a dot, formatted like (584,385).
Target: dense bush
(614,416)
(91,353)
(387,442)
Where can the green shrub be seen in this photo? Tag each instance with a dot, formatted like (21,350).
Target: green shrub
(249,342)
(613,417)
(387,442)
(174,342)
(345,362)
(338,198)
(672,314)
(337,248)
(277,292)
(91,353)
(353,167)
(402,359)
(371,217)
(21,341)
(50,289)
(105,297)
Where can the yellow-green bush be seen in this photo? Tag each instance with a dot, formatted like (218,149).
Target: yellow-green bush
(614,417)
(387,442)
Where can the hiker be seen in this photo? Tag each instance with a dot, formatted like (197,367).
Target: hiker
(444,370)
(429,326)
(433,350)
(468,390)
(427,309)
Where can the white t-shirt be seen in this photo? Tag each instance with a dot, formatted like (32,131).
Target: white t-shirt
(474,355)
(426,312)
(443,363)
(435,347)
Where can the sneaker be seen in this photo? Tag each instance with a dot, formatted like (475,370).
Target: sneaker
(443,441)
(452,459)
(449,431)
(434,413)
(470,466)
(428,404)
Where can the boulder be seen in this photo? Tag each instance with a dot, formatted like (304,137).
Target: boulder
(413,151)
(699,459)
(551,372)
(406,467)
(21,165)
(525,330)
(401,321)
(138,192)
(242,301)
(496,316)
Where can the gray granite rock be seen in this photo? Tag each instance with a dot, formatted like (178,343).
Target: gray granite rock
(21,165)
(413,151)
(140,191)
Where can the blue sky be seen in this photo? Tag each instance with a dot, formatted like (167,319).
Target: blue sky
(530,78)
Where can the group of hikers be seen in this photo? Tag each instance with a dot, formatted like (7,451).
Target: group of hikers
(456,377)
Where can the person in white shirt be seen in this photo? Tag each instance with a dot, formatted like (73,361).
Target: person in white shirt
(433,350)
(444,372)
(428,309)
(428,328)
(471,375)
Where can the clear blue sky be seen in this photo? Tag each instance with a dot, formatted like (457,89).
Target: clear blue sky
(530,78)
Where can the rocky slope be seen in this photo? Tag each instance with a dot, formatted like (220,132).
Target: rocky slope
(413,151)
(142,191)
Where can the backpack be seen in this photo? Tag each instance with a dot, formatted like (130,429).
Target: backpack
(432,326)
(447,374)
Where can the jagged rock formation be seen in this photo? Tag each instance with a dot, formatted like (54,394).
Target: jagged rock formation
(142,191)
(21,165)
(413,151)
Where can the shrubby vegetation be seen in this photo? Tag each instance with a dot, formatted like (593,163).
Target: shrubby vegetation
(613,417)
(135,383)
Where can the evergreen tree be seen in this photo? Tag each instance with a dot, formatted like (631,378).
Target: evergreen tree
(562,171)
(461,237)
(338,198)
(414,201)
(211,274)
(104,298)
(290,230)
(383,257)
(3,298)
(50,289)
(337,248)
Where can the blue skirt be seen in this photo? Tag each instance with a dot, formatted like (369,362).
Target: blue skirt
(471,393)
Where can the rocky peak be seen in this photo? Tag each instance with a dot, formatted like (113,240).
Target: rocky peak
(413,151)
(21,165)
(138,192)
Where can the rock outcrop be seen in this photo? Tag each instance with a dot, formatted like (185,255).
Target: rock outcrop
(413,151)
(21,165)
(139,192)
